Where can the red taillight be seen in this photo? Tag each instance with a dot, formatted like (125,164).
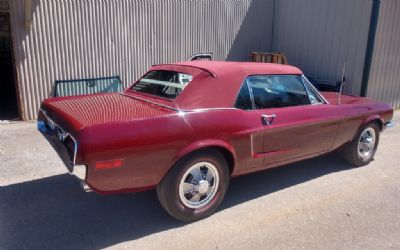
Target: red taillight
(108,164)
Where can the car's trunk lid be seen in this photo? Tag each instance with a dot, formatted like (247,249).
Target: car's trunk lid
(83,111)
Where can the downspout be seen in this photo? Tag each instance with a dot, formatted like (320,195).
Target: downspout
(370,46)
(273,27)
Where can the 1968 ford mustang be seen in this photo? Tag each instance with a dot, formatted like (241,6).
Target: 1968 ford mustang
(186,128)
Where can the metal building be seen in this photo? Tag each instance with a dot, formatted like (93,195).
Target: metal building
(322,36)
(42,41)
(384,78)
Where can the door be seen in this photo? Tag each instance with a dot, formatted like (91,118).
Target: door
(8,93)
(297,121)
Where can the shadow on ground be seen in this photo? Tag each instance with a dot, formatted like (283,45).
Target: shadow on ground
(54,213)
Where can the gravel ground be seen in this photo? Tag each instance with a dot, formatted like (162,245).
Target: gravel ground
(321,203)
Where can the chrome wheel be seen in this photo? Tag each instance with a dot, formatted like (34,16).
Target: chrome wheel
(366,143)
(199,185)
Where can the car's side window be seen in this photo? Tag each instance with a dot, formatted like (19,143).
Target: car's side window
(243,100)
(276,91)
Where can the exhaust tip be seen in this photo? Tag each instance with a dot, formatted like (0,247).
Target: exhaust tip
(86,187)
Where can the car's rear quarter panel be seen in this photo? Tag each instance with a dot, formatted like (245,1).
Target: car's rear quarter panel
(150,147)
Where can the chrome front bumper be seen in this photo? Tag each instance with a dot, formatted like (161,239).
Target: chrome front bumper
(388,124)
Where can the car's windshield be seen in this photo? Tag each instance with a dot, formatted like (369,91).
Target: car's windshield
(163,83)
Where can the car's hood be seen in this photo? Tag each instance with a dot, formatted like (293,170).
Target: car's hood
(83,111)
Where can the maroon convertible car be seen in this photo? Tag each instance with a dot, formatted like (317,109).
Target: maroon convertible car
(186,128)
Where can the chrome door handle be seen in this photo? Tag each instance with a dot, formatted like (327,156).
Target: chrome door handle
(268,119)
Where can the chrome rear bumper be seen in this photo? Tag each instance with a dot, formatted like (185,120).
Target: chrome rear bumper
(56,137)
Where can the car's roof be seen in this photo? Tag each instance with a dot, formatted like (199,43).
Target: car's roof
(216,84)
(243,68)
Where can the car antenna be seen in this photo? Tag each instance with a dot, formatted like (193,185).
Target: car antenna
(342,83)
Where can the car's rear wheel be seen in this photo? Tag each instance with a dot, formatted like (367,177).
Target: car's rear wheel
(195,186)
(362,149)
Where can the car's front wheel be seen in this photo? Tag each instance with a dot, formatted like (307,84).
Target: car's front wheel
(195,186)
(362,149)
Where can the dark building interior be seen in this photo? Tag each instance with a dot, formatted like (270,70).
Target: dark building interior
(8,93)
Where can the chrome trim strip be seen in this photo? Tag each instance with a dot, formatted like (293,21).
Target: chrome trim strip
(252,145)
(178,110)
(67,134)
(253,102)
(314,89)
(206,109)
(309,92)
(75,148)
(155,103)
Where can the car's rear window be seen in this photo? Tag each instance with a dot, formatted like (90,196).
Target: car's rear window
(163,83)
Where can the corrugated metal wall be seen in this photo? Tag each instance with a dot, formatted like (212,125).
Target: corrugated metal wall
(84,39)
(384,80)
(320,35)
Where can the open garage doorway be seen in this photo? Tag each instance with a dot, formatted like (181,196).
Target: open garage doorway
(8,91)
